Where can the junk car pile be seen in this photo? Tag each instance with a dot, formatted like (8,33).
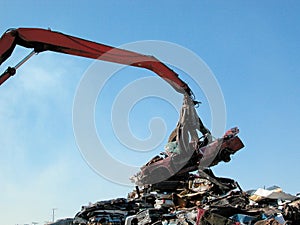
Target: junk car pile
(202,199)
(193,195)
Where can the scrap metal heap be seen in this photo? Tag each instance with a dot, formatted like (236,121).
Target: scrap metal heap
(179,187)
(177,190)
(202,199)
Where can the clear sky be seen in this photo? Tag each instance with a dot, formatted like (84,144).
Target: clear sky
(252,47)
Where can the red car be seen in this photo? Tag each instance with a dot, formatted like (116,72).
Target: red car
(163,168)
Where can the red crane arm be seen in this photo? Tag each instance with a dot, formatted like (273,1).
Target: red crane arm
(42,40)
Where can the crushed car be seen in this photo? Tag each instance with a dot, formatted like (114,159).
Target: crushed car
(173,163)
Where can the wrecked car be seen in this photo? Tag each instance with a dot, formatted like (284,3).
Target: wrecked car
(161,168)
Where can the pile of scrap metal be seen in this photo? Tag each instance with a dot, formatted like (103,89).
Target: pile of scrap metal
(172,190)
(180,188)
(201,199)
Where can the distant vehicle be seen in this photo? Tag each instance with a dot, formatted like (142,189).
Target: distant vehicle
(162,168)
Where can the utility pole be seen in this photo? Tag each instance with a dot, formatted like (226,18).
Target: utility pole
(53,213)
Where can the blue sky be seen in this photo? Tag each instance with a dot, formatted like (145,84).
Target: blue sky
(251,47)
